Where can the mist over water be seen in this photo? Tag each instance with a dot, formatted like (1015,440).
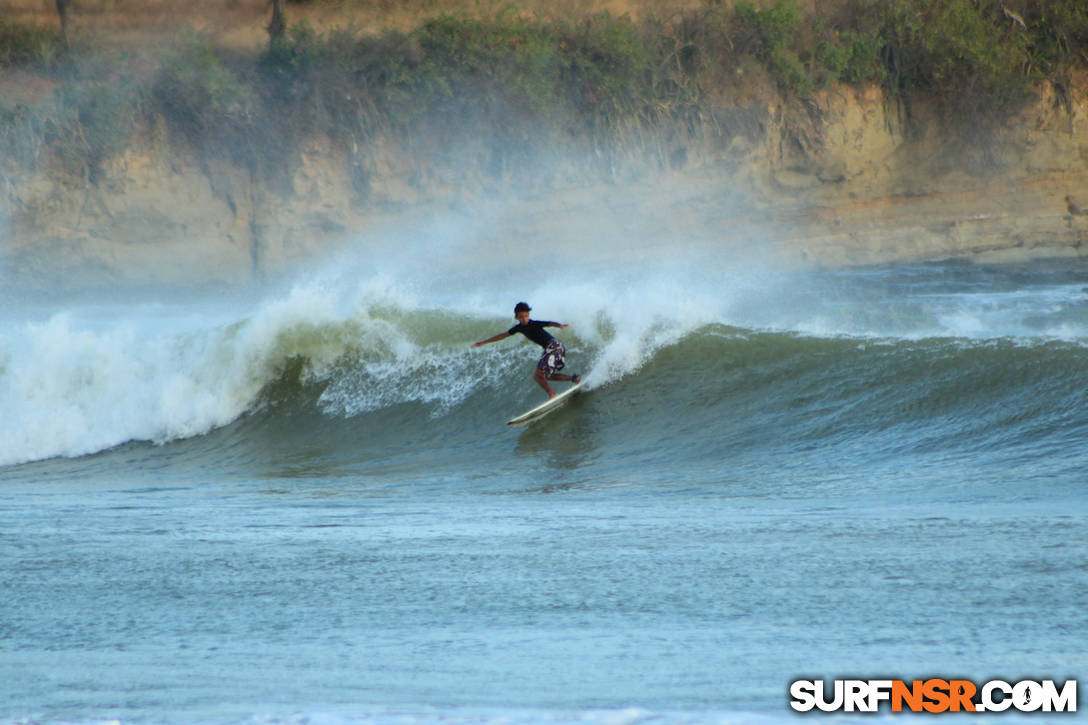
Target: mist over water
(404,304)
(299,501)
(389,320)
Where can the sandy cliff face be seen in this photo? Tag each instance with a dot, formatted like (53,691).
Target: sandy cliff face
(868,191)
(154,216)
(848,185)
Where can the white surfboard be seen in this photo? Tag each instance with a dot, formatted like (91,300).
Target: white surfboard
(544,408)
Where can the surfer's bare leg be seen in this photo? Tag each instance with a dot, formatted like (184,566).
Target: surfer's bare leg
(542,379)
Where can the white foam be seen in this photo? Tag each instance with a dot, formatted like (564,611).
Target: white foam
(91,378)
(87,378)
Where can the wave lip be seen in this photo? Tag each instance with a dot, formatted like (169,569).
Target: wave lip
(87,379)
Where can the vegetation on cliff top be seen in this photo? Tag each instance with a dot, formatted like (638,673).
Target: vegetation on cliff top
(520,83)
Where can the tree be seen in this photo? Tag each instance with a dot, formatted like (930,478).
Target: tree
(62,11)
(277,27)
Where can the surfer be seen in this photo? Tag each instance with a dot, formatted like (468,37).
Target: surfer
(551,362)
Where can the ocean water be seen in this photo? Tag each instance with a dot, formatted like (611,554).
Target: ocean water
(300,503)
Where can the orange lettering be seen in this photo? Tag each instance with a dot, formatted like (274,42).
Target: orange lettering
(911,695)
(961,693)
(937,692)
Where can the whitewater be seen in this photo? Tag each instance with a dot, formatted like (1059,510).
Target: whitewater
(297,501)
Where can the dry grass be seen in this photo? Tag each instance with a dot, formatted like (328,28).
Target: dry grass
(240,24)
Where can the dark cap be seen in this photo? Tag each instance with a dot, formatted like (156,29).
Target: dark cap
(522,307)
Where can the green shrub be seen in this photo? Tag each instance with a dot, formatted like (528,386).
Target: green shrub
(503,70)
(21,134)
(22,44)
(602,71)
(606,60)
(464,60)
(964,51)
(502,84)
(772,36)
(966,55)
(94,122)
(302,49)
(1057,34)
(860,59)
(197,93)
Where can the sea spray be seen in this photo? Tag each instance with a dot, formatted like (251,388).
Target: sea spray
(91,378)
(385,323)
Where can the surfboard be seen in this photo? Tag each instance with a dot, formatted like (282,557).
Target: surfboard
(544,408)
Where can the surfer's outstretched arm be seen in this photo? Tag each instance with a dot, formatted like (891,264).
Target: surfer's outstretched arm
(496,338)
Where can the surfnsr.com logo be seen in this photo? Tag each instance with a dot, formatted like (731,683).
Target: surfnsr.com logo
(933,695)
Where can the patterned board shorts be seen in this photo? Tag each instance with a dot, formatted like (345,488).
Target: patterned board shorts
(552,361)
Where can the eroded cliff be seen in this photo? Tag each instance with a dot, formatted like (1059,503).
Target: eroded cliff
(850,176)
